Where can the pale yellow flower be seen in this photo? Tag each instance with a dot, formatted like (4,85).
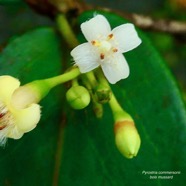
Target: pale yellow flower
(14,122)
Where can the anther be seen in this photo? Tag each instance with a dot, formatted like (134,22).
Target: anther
(102,56)
(5,116)
(110,36)
(1,121)
(2,127)
(2,114)
(93,42)
(115,50)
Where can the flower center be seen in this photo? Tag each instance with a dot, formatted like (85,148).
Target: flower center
(5,116)
(105,46)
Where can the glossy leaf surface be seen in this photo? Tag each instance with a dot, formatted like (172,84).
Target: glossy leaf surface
(86,153)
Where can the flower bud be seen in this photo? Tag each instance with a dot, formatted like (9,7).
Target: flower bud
(30,93)
(78,97)
(102,94)
(127,138)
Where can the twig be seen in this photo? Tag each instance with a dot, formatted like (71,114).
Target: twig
(147,22)
(53,7)
(161,25)
(142,21)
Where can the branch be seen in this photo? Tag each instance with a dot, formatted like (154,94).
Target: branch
(53,7)
(147,22)
(161,25)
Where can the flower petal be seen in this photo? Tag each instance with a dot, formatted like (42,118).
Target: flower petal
(125,37)
(14,132)
(27,119)
(115,68)
(8,85)
(10,131)
(96,28)
(85,57)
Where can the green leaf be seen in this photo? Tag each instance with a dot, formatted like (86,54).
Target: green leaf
(151,96)
(29,161)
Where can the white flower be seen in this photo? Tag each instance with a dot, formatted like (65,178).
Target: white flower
(14,122)
(105,48)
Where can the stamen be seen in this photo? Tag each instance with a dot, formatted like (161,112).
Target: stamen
(2,127)
(93,42)
(115,50)
(110,36)
(6,117)
(102,56)
(1,115)
(2,118)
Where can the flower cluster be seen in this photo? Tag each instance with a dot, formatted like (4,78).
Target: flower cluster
(20,113)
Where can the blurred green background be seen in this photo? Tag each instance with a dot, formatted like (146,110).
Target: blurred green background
(89,156)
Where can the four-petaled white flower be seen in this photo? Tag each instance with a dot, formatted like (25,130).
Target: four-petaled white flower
(14,122)
(105,48)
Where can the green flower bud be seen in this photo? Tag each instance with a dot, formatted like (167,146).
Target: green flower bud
(127,138)
(78,97)
(103,94)
(30,93)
